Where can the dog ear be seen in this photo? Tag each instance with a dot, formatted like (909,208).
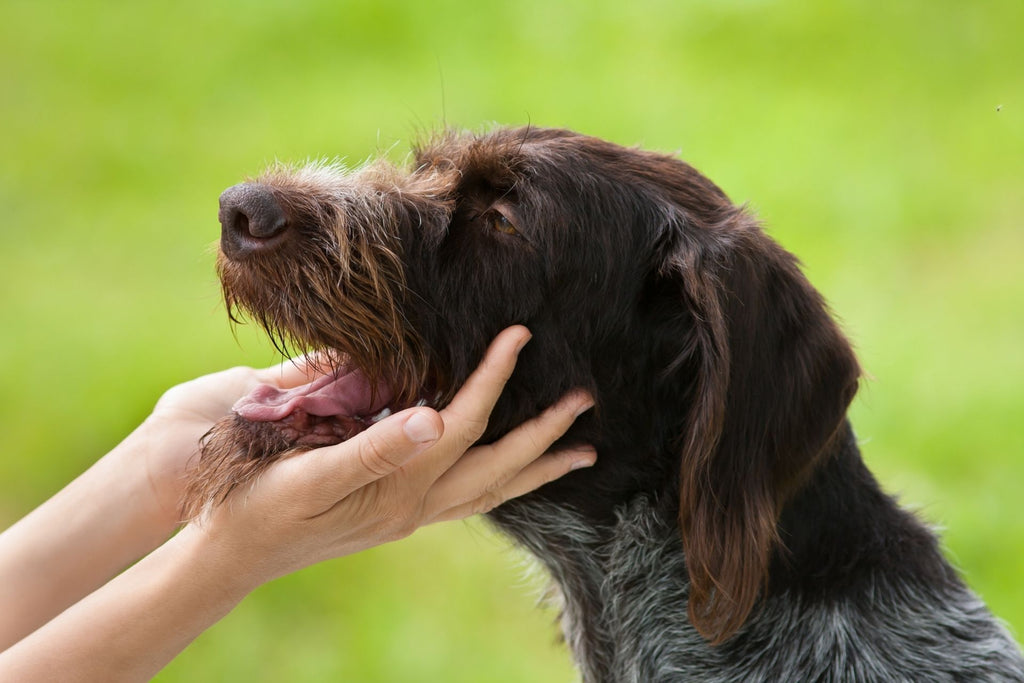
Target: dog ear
(772,379)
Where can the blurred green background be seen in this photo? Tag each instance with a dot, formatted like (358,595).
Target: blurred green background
(881,142)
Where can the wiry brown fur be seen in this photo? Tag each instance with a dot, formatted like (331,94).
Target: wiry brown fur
(351,256)
(342,293)
(232,455)
(729,503)
(729,530)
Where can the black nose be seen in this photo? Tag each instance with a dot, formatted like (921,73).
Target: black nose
(251,221)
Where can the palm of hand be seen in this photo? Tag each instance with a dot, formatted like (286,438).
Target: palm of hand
(186,412)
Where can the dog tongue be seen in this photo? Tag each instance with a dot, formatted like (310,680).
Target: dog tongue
(346,394)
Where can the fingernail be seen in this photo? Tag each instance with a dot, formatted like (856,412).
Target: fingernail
(584,459)
(420,428)
(587,402)
(524,341)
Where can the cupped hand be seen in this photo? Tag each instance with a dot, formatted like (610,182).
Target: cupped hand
(169,437)
(408,470)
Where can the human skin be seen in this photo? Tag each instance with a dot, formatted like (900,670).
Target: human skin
(67,619)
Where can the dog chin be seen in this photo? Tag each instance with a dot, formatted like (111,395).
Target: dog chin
(270,423)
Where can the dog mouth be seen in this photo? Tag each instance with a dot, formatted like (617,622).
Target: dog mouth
(332,408)
(270,423)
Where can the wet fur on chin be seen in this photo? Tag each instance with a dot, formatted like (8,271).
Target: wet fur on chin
(234,452)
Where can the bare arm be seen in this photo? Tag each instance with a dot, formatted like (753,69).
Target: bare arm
(121,508)
(406,471)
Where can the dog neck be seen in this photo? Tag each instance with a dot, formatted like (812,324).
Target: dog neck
(624,586)
(597,569)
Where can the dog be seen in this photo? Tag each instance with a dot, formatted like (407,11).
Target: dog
(729,530)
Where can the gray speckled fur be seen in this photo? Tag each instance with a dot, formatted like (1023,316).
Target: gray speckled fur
(624,616)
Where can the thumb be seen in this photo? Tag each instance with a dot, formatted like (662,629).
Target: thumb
(377,452)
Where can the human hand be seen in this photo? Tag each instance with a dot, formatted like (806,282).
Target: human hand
(408,470)
(169,438)
(120,509)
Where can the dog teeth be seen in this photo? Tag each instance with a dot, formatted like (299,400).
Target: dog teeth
(420,403)
(381,415)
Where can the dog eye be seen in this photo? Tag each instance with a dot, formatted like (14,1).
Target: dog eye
(502,224)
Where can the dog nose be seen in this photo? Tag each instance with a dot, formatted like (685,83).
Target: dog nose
(251,221)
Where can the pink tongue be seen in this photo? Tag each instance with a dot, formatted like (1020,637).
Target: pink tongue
(336,394)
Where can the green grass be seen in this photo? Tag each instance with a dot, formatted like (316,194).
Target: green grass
(882,143)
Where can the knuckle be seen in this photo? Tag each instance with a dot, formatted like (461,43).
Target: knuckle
(397,516)
(488,501)
(474,428)
(500,368)
(503,373)
(374,457)
(496,483)
(404,529)
(559,417)
(536,443)
(385,516)
(400,522)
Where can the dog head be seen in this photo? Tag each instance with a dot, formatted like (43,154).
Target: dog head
(718,374)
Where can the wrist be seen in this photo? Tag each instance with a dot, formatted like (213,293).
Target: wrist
(213,561)
(161,450)
(136,460)
(228,568)
(133,625)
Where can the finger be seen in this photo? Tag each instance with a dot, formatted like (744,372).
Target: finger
(485,468)
(543,470)
(291,373)
(470,409)
(373,454)
(533,437)
(466,416)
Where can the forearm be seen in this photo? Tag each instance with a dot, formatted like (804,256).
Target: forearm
(134,625)
(76,541)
